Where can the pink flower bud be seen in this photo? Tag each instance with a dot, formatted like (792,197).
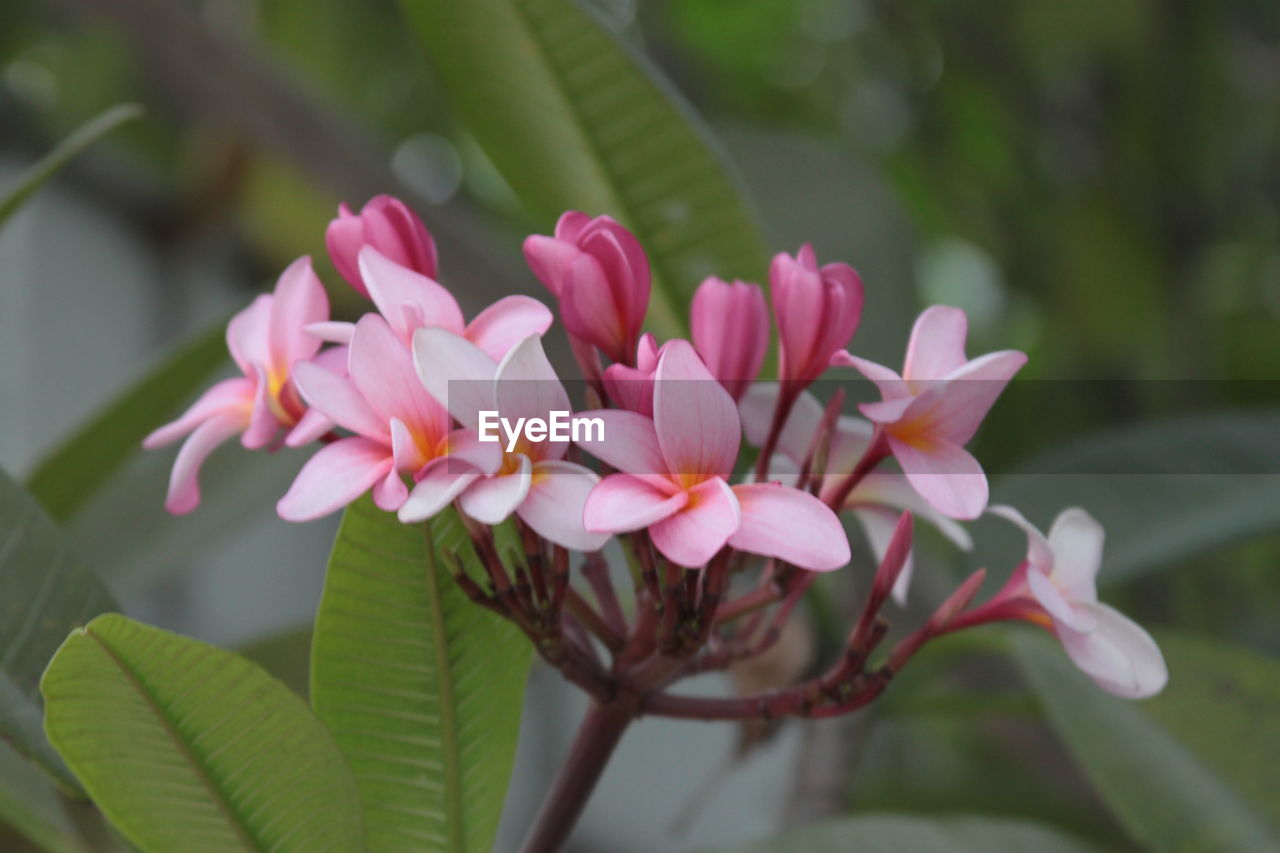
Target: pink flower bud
(731,331)
(601,276)
(387,224)
(817,311)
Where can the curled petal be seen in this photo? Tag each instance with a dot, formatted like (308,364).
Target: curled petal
(692,536)
(228,396)
(332,331)
(1062,611)
(1076,541)
(310,427)
(184,485)
(455,372)
(794,526)
(263,424)
(439,483)
(394,288)
(335,476)
(1117,654)
(466,449)
(621,503)
(491,500)
(506,322)
(247,335)
(299,300)
(555,504)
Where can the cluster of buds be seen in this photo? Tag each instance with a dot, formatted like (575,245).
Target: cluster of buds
(402,403)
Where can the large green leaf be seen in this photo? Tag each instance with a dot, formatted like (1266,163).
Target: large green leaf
(908,834)
(573,119)
(185,746)
(44,593)
(1223,702)
(71,473)
(1165,798)
(1164,491)
(422,688)
(46,167)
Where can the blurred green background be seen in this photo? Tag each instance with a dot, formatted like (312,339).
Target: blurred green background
(1096,182)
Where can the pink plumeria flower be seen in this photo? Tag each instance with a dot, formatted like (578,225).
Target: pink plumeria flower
(817,311)
(533,479)
(673,481)
(398,428)
(409,301)
(387,224)
(930,412)
(731,331)
(1055,587)
(876,502)
(267,340)
(631,388)
(599,272)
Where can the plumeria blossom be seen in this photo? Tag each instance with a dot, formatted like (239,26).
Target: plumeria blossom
(673,479)
(930,412)
(398,428)
(410,300)
(1055,587)
(533,480)
(877,500)
(730,324)
(389,226)
(817,310)
(599,273)
(267,340)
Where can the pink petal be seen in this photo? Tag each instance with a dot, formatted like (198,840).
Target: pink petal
(945,475)
(440,484)
(888,411)
(456,372)
(1076,540)
(1039,552)
(969,393)
(888,489)
(1118,654)
(630,388)
(263,424)
(335,476)
(555,503)
(937,343)
(248,334)
(227,396)
(506,322)
(791,525)
(394,287)
(630,443)
(730,324)
(622,503)
(332,331)
(527,385)
(310,427)
(890,384)
(184,485)
(695,418)
(299,300)
(406,453)
(491,500)
(694,534)
(338,399)
(1062,612)
(383,371)
(390,492)
(549,258)
(343,238)
(467,450)
(589,308)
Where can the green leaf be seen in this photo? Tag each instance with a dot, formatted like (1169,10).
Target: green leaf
(908,834)
(421,687)
(1223,702)
(32,806)
(80,466)
(49,165)
(44,593)
(575,120)
(1164,797)
(1206,481)
(188,747)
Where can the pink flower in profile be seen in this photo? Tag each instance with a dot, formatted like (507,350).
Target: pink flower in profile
(1055,587)
(532,479)
(631,388)
(267,341)
(673,481)
(934,408)
(817,311)
(878,499)
(731,331)
(387,224)
(599,272)
(398,428)
(409,300)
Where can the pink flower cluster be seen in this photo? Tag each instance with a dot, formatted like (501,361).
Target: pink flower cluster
(397,403)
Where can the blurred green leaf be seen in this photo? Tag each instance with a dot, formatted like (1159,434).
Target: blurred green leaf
(1166,799)
(188,747)
(422,688)
(908,834)
(1223,702)
(49,165)
(71,473)
(575,120)
(31,805)
(44,593)
(1206,481)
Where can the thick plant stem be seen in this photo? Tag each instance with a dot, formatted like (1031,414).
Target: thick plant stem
(599,734)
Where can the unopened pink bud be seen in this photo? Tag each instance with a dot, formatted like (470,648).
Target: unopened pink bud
(817,311)
(731,331)
(387,224)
